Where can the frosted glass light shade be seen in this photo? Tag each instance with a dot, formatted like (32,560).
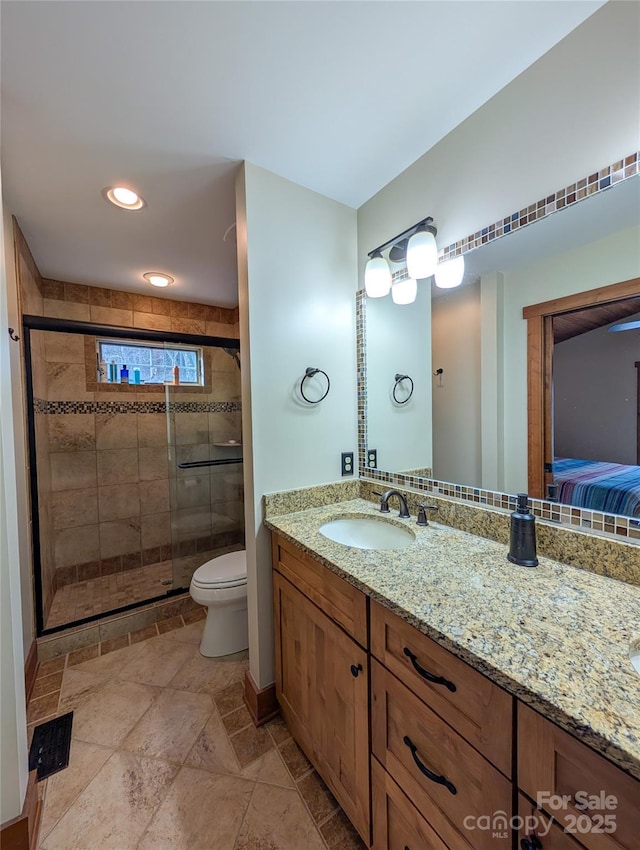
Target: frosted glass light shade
(404,291)
(450,273)
(377,277)
(422,255)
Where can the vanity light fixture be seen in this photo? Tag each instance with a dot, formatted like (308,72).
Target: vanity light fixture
(417,247)
(450,273)
(123,197)
(158,278)
(422,252)
(377,276)
(404,291)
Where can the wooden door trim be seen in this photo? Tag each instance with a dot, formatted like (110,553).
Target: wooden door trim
(637,365)
(590,298)
(539,370)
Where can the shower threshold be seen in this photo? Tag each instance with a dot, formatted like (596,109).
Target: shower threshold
(100,595)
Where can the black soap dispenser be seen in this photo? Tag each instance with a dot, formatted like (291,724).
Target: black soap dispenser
(522,547)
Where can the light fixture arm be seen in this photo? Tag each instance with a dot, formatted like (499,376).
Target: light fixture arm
(424,224)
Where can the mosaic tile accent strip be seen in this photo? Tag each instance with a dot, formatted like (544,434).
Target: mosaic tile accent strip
(598,181)
(580,518)
(56,407)
(361,371)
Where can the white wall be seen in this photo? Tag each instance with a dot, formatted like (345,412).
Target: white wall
(594,395)
(297,276)
(13,724)
(455,329)
(575,109)
(397,343)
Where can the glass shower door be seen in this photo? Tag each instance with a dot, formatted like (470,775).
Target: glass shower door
(205,460)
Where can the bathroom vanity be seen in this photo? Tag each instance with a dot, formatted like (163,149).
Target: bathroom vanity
(440,691)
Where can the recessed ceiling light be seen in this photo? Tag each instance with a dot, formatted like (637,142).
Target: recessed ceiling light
(123,197)
(158,279)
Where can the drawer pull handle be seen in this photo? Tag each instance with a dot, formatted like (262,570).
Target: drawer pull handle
(355,670)
(436,680)
(439,780)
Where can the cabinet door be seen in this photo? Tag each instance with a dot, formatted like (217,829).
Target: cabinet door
(588,796)
(322,685)
(550,836)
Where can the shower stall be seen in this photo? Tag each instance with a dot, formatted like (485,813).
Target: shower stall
(135,464)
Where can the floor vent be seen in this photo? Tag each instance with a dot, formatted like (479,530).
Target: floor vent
(49,751)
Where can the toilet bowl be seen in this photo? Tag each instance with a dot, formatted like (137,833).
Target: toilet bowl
(221,585)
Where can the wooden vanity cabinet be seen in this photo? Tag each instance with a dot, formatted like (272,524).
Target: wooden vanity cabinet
(322,677)
(416,745)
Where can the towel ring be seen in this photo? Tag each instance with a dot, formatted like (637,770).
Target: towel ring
(399,379)
(309,372)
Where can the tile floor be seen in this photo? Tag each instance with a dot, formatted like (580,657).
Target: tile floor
(164,756)
(106,593)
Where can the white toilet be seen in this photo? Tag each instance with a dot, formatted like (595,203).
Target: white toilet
(221,585)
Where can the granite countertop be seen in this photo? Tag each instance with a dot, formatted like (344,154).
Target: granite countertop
(555,636)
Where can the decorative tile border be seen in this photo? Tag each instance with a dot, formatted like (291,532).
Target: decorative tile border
(598,181)
(57,407)
(568,515)
(580,518)
(361,371)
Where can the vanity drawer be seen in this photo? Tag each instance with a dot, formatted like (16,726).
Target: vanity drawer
(552,762)
(476,708)
(333,595)
(421,753)
(397,824)
(550,835)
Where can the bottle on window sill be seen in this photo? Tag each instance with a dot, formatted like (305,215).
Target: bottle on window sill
(176,374)
(124,374)
(136,376)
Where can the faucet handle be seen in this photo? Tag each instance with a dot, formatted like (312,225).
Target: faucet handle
(422,515)
(384,505)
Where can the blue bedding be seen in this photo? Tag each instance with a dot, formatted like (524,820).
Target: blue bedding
(594,485)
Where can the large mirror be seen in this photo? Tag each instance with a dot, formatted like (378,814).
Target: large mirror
(465,354)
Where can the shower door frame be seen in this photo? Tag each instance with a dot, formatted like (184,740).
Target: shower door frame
(43,323)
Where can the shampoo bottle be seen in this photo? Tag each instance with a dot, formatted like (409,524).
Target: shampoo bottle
(522,546)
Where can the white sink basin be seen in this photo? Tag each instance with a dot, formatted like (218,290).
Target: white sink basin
(365,533)
(634,653)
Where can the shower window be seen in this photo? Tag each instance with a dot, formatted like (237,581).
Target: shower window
(155,362)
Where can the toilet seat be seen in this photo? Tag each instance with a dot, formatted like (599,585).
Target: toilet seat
(225,571)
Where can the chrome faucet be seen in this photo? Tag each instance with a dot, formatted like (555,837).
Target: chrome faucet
(384,502)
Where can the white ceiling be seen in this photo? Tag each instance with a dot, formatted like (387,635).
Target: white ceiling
(169,97)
